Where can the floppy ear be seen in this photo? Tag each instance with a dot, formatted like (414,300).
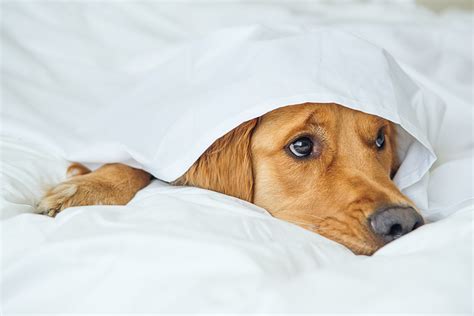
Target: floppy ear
(226,166)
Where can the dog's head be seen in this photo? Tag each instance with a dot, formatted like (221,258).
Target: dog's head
(324,167)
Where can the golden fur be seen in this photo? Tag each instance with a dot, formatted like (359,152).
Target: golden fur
(111,184)
(332,193)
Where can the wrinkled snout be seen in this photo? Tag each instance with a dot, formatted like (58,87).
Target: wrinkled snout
(393,222)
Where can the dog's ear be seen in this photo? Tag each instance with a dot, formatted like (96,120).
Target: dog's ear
(226,166)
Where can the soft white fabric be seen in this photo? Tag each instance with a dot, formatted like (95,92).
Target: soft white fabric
(185,249)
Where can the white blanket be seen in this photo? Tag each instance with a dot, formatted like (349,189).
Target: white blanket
(182,249)
(186,249)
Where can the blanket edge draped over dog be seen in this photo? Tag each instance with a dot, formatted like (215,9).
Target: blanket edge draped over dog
(176,107)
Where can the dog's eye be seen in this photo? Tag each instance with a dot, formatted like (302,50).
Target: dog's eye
(380,140)
(302,147)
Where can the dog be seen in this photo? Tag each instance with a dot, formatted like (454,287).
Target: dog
(324,167)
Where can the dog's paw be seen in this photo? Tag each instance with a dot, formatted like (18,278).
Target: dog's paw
(58,198)
(78,191)
(111,184)
(66,193)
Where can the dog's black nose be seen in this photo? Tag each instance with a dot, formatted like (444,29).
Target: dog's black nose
(394,222)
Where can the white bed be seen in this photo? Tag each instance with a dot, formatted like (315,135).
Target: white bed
(175,249)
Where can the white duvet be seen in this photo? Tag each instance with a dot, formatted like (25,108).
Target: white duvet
(187,249)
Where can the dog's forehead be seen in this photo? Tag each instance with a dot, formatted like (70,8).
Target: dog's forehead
(300,116)
(290,120)
(297,115)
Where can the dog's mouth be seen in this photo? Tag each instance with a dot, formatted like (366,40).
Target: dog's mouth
(361,241)
(364,235)
(358,238)
(366,246)
(362,229)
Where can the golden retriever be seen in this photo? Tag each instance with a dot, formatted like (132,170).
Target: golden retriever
(323,167)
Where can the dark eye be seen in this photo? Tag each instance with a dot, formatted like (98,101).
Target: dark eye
(302,147)
(380,140)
